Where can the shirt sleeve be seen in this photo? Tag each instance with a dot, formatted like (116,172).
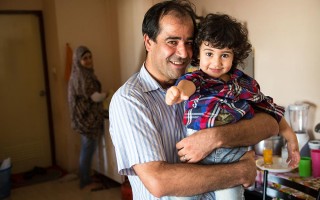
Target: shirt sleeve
(259,101)
(133,131)
(195,77)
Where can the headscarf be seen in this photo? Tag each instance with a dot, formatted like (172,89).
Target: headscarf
(82,84)
(78,75)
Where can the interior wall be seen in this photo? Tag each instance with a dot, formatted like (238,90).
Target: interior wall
(65,140)
(285,37)
(80,23)
(77,22)
(20,5)
(110,34)
(132,52)
(110,28)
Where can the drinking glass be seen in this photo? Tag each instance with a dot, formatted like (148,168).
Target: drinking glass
(268,151)
(305,167)
(284,156)
(315,156)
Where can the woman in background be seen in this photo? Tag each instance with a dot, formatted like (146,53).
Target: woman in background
(86,108)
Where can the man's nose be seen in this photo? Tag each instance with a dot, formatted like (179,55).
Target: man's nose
(182,51)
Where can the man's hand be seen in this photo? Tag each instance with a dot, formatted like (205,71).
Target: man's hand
(243,133)
(195,147)
(249,168)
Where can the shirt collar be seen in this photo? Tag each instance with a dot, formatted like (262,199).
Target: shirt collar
(148,82)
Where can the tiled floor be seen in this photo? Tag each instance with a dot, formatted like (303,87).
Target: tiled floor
(62,190)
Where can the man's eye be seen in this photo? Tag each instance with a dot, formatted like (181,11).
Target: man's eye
(173,42)
(189,43)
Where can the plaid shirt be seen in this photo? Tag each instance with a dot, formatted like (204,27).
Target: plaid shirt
(239,97)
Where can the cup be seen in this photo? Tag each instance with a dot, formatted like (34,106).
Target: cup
(284,156)
(305,167)
(267,152)
(315,157)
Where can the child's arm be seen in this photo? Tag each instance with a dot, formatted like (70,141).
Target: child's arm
(292,143)
(181,92)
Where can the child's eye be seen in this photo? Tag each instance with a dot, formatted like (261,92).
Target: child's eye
(225,56)
(208,54)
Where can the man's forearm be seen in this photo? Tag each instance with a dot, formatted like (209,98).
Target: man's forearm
(163,179)
(247,132)
(243,133)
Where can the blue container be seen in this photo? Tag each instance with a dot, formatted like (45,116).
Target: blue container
(5,182)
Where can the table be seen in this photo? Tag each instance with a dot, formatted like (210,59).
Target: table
(294,176)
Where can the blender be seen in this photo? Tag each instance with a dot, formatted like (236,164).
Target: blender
(298,117)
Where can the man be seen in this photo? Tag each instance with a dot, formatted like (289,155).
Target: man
(147,133)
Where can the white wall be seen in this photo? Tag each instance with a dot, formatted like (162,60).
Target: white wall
(285,37)
(132,52)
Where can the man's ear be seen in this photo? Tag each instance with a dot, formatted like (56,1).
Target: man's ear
(147,42)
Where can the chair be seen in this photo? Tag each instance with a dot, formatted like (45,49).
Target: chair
(273,192)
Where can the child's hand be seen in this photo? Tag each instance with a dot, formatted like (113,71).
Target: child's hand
(174,95)
(292,143)
(293,154)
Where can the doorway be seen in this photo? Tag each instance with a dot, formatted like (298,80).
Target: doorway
(25,109)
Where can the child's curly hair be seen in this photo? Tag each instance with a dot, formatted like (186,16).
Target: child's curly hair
(222,31)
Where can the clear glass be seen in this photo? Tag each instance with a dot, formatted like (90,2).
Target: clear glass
(268,152)
(284,156)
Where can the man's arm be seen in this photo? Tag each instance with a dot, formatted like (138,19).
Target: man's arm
(163,179)
(243,133)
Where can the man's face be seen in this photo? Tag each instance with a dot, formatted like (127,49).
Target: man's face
(171,53)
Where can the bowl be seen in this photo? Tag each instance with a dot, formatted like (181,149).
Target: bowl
(277,145)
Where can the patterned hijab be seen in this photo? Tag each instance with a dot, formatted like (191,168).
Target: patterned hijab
(78,77)
(87,116)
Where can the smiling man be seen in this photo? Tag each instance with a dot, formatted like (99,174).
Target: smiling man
(146,131)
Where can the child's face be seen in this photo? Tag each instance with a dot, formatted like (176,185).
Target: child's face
(86,60)
(215,62)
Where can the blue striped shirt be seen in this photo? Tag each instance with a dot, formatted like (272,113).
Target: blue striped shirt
(144,128)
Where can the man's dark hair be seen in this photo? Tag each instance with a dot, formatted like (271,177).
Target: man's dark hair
(150,24)
(222,31)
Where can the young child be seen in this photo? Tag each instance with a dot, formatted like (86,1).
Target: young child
(218,93)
